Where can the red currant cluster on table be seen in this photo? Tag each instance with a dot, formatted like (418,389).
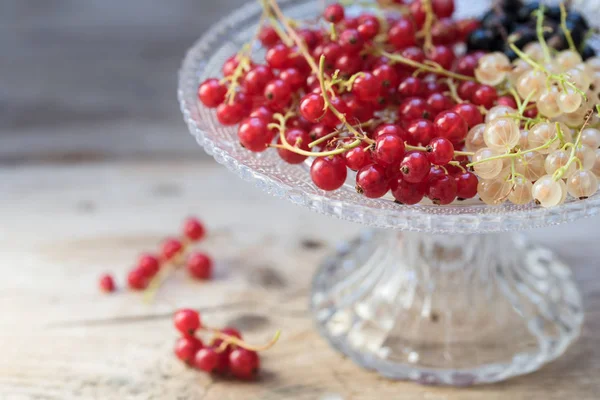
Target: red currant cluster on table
(225,353)
(174,253)
(394,95)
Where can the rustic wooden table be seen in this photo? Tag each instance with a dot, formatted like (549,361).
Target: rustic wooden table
(96,166)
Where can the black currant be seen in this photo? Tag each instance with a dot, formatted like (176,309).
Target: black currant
(483,39)
(588,52)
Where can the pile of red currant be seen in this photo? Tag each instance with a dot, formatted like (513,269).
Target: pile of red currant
(174,253)
(225,353)
(392,95)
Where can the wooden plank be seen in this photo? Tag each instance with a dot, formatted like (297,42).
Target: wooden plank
(61,339)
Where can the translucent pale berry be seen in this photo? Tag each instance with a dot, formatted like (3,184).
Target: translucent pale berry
(474,140)
(487,169)
(531,165)
(498,112)
(546,191)
(591,137)
(521,191)
(492,68)
(569,101)
(541,134)
(493,192)
(502,134)
(547,103)
(558,159)
(531,84)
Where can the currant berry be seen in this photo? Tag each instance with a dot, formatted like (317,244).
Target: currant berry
(402,34)
(348,64)
(385,129)
(334,13)
(233,113)
(438,102)
(137,279)
(244,364)
(278,56)
(171,247)
(186,321)
(415,167)
(469,113)
(208,360)
(419,132)
(193,229)
(312,107)
(254,134)
(442,55)
(440,151)
(507,101)
(107,283)
(351,41)
(443,32)
(372,181)
(199,266)
(277,92)
(262,112)
(389,150)
(256,79)
(451,126)
(411,87)
(186,348)
(366,87)
(297,138)
(407,193)
(417,11)
(443,8)
(212,93)
(387,76)
(268,36)
(466,185)
(329,173)
(466,65)
(466,90)
(414,108)
(293,78)
(148,264)
(361,111)
(368,28)
(442,190)
(485,96)
(357,158)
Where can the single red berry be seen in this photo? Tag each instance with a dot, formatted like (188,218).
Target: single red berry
(413,53)
(420,132)
(278,56)
(254,134)
(244,364)
(438,102)
(368,29)
(318,131)
(229,331)
(444,31)
(212,93)
(208,360)
(417,11)
(351,23)
(365,87)
(186,348)
(312,107)
(442,189)
(310,38)
(137,279)
(442,55)
(199,266)
(348,64)
(277,92)
(233,113)
(470,114)
(466,185)
(107,283)
(268,36)
(357,158)
(186,321)
(467,89)
(293,78)
(531,113)
(411,87)
(262,112)
(351,41)
(386,76)
(485,96)
(328,173)
(440,151)
(414,108)
(361,111)
(329,119)
(171,247)
(230,65)
(443,8)
(149,264)
(391,129)
(334,13)
(332,51)
(451,126)
(256,79)
(508,101)
(389,150)
(193,229)
(407,193)
(372,181)
(466,66)
(415,167)
(297,138)
(402,34)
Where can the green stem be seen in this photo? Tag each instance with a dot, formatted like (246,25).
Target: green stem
(424,67)
(517,154)
(540,33)
(565,29)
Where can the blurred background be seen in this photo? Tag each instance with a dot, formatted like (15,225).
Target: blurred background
(96,79)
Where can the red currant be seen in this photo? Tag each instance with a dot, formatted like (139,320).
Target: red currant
(508,101)
(107,283)
(485,96)
(418,13)
(199,266)
(351,41)
(361,111)
(212,93)
(386,75)
(415,167)
(389,150)
(411,87)
(278,56)
(386,129)
(442,55)
(193,229)
(171,247)
(420,132)
(256,80)
(413,53)
(442,189)
(137,279)
(278,92)
(368,28)
(357,158)
(329,173)
(414,108)
(254,134)
(466,66)
(334,13)
(402,34)
(443,8)
(244,364)
(297,138)
(348,64)
(233,113)
(438,102)
(466,26)
(466,185)
(268,36)
(208,360)
(467,89)
(293,78)
(332,51)
(186,348)
(312,107)
(444,31)
(470,114)
(230,65)
(407,193)
(372,181)
(451,126)
(366,87)
(262,112)
(440,151)
(318,131)
(149,264)
(187,321)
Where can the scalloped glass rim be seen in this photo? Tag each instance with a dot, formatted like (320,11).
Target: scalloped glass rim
(293,182)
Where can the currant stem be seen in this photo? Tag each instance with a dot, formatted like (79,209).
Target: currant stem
(559,173)
(240,343)
(517,154)
(565,29)
(429,18)
(540,32)
(425,67)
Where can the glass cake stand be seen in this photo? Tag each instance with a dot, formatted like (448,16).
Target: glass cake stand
(435,294)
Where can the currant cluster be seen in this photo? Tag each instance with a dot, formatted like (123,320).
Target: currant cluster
(225,353)
(392,99)
(513,21)
(173,251)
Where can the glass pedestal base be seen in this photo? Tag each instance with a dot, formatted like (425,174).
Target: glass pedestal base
(452,309)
